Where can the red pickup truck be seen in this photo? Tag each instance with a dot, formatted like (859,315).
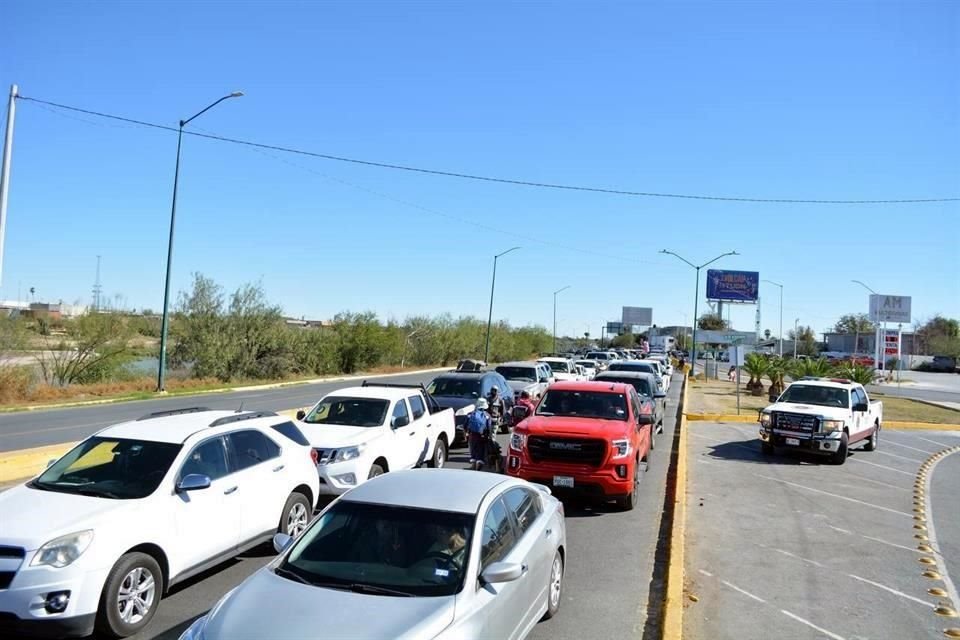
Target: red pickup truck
(587,438)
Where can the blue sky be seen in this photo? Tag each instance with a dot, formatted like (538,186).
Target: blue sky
(824,100)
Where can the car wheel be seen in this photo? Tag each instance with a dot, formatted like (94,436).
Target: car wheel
(375,470)
(439,454)
(130,596)
(874,441)
(296,515)
(554,587)
(841,455)
(629,501)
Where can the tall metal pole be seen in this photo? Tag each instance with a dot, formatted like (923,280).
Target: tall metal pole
(555,316)
(5,169)
(796,336)
(493,283)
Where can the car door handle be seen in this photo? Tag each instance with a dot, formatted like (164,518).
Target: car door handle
(227,492)
(523,569)
(549,532)
(429,425)
(280,468)
(413,433)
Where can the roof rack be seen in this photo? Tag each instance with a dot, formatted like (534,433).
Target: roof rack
(240,417)
(172,412)
(367,383)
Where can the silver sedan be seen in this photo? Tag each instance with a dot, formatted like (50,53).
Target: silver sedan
(420,554)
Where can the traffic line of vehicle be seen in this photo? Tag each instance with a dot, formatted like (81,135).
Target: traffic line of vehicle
(673,604)
(890,424)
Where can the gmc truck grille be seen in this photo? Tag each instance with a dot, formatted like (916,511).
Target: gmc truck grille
(569,450)
(794,422)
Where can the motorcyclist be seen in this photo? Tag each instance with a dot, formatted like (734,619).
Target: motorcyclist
(479,426)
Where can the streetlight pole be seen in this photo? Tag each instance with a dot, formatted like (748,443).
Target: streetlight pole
(493,283)
(876,331)
(796,336)
(164,324)
(777,284)
(555,316)
(696,299)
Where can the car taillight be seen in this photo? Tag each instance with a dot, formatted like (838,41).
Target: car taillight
(314,456)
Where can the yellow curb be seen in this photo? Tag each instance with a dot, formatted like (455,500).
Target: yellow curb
(673,606)
(891,424)
(718,417)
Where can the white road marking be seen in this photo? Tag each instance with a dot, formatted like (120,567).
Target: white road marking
(939,444)
(793,555)
(893,591)
(746,593)
(874,464)
(882,484)
(706,573)
(893,455)
(932,532)
(887,440)
(811,513)
(849,533)
(834,495)
(892,544)
(830,635)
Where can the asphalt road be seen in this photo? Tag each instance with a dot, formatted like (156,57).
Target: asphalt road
(813,550)
(611,554)
(907,391)
(25,429)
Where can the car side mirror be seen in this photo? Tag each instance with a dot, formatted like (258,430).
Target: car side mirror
(502,572)
(301,414)
(193,482)
(281,542)
(51,462)
(861,407)
(402,421)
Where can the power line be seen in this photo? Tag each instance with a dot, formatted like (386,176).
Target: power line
(468,176)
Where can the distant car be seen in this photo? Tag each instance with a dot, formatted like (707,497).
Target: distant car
(96,540)
(396,558)
(602,358)
(646,366)
(459,390)
(562,368)
(943,364)
(590,368)
(532,377)
(646,386)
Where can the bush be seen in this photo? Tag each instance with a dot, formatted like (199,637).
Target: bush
(15,383)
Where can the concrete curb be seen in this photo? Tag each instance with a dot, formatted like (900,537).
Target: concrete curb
(673,606)
(890,424)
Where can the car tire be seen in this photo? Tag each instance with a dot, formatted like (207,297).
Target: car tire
(439,454)
(629,501)
(554,587)
(375,470)
(130,597)
(874,440)
(296,515)
(841,454)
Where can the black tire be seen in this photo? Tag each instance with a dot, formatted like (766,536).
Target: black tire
(554,597)
(110,621)
(439,454)
(629,501)
(767,448)
(375,470)
(841,454)
(874,440)
(296,515)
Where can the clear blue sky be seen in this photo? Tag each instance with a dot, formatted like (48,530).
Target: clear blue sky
(832,100)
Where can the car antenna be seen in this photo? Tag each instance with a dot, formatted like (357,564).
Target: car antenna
(240,410)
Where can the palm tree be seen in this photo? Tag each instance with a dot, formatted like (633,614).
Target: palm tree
(856,373)
(818,368)
(776,369)
(755,365)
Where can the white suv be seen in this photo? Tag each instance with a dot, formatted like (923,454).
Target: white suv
(98,538)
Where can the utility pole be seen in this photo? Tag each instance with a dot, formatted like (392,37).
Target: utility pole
(555,316)
(5,168)
(493,283)
(97,289)
(796,336)
(777,284)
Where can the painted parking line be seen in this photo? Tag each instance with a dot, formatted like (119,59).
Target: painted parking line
(942,445)
(888,440)
(834,495)
(894,455)
(829,634)
(860,478)
(893,591)
(743,591)
(882,466)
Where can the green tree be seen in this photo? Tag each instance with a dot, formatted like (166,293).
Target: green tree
(756,367)
(806,341)
(711,321)
(853,323)
(624,340)
(939,336)
(816,368)
(94,350)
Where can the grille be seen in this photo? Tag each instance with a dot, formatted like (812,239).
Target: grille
(795,422)
(571,450)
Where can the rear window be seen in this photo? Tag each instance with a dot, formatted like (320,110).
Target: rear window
(455,387)
(290,430)
(527,374)
(642,385)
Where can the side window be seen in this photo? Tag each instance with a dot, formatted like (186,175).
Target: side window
(525,506)
(498,536)
(416,406)
(207,458)
(249,448)
(859,397)
(401,417)
(635,401)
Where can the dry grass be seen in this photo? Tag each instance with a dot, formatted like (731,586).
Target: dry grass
(719,396)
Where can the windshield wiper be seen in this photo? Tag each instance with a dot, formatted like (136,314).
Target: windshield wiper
(287,573)
(375,590)
(96,493)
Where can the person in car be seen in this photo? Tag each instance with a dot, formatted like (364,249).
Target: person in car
(479,425)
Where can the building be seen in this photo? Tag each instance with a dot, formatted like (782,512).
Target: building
(848,343)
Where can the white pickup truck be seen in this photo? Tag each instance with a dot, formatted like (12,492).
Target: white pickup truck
(822,416)
(362,432)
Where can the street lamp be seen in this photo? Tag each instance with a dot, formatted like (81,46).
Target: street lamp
(696,299)
(493,283)
(555,316)
(173,215)
(777,284)
(796,336)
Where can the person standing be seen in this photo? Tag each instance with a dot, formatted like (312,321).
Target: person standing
(497,408)
(478,428)
(526,403)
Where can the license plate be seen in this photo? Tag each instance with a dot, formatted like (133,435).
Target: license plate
(792,441)
(563,481)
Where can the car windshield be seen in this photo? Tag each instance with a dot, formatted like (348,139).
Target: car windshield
(110,468)
(355,412)
(560,367)
(583,404)
(527,374)
(384,550)
(816,394)
(642,385)
(455,387)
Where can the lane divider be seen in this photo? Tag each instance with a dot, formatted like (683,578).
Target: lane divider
(673,604)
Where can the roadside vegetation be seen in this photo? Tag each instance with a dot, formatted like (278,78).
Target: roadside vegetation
(219,339)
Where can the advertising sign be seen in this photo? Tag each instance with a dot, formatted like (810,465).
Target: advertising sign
(733,286)
(891,344)
(884,308)
(642,316)
(614,328)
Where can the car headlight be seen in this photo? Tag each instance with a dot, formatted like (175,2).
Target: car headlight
(349,453)
(621,448)
(829,426)
(765,419)
(195,630)
(62,551)
(518,441)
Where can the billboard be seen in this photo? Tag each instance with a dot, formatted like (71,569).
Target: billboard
(890,308)
(614,328)
(732,286)
(642,316)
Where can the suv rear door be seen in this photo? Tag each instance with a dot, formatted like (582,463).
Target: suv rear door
(259,481)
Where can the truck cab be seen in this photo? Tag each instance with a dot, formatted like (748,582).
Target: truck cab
(821,415)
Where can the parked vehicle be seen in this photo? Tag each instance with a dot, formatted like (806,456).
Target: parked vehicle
(460,390)
(942,364)
(363,432)
(563,369)
(532,377)
(588,438)
(653,399)
(822,416)
(96,540)
(396,558)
